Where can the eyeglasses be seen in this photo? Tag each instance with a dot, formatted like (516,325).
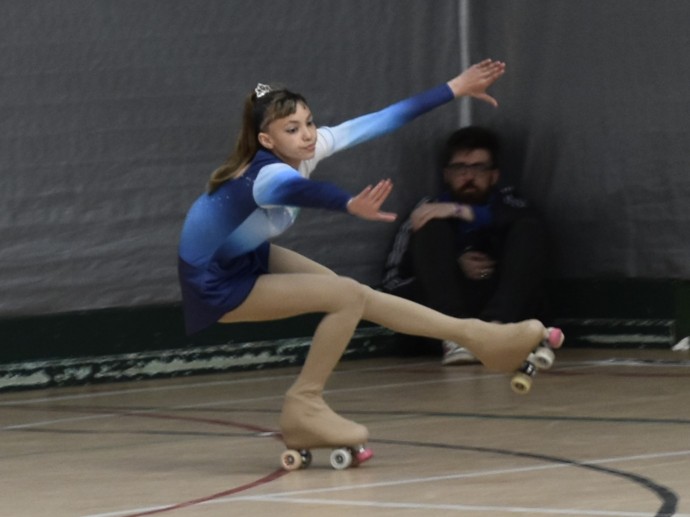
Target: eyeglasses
(468,169)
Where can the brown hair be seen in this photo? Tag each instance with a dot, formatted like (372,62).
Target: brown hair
(258,113)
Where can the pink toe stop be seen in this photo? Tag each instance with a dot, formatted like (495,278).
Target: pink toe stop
(364,455)
(555,337)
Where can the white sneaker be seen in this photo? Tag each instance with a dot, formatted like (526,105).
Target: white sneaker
(456,354)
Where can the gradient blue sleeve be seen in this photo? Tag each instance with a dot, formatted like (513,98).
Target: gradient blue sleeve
(387,120)
(281,185)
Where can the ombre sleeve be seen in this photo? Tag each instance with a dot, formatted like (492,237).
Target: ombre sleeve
(373,125)
(281,185)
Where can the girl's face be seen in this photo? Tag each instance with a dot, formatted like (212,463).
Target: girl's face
(292,138)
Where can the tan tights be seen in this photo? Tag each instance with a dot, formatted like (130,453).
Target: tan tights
(297,285)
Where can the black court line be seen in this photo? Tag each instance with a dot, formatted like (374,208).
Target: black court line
(148,410)
(669,499)
(548,418)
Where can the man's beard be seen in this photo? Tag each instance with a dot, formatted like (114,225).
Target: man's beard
(471,194)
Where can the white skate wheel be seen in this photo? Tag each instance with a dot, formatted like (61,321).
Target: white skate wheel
(544,357)
(291,460)
(521,383)
(341,459)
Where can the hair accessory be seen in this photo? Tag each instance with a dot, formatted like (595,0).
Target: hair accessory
(261,90)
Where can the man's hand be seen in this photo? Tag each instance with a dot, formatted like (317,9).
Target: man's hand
(476,265)
(428,211)
(367,203)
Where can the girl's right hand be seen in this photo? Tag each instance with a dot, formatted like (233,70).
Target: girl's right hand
(367,203)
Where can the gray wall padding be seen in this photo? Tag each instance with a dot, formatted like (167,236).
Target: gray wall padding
(113,114)
(597,111)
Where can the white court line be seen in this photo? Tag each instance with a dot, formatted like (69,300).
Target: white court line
(413,506)
(206,384)
(230,402)
(470,377)
(458,507)
(293,496)
(271,378)
(441,380)
(285,497)
(473,475)
(56,421)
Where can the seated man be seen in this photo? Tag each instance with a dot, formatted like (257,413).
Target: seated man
(477,250)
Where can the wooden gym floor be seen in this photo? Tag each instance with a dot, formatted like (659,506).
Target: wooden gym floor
(604,433)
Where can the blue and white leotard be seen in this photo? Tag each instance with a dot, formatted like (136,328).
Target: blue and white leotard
(224,244)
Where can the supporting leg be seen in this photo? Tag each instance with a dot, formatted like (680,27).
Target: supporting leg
(306,419)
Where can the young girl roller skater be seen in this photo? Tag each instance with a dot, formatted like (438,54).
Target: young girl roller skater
(229,272)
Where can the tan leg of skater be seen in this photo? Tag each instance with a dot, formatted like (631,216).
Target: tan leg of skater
(500,347)
(283,260)
(306,421)
(297,286)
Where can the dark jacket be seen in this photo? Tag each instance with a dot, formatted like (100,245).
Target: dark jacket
(486,233)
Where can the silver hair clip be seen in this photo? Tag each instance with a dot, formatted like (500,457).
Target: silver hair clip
(261,90)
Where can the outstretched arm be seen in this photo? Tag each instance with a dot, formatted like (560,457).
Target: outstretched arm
(472,82)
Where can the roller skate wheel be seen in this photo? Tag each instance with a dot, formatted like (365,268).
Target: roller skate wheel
(341,459)
(291,460)
(521,383)
(543,357)
(555,337)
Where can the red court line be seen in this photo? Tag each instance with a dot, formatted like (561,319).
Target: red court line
(185,504)
(212,421)
(266,479)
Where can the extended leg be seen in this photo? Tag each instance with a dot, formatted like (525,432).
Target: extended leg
(499,347)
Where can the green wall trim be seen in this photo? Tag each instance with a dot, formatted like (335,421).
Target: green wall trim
(367,342)
(618,333)
(144,342)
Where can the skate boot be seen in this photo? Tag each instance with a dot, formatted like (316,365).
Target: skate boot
(522,347)
(541,358)
(308,423)
(503,347)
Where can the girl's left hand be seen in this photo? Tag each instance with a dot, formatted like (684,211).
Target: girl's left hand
(367,203)
(476,79)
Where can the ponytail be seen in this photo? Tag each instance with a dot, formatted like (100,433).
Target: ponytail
(245,149)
